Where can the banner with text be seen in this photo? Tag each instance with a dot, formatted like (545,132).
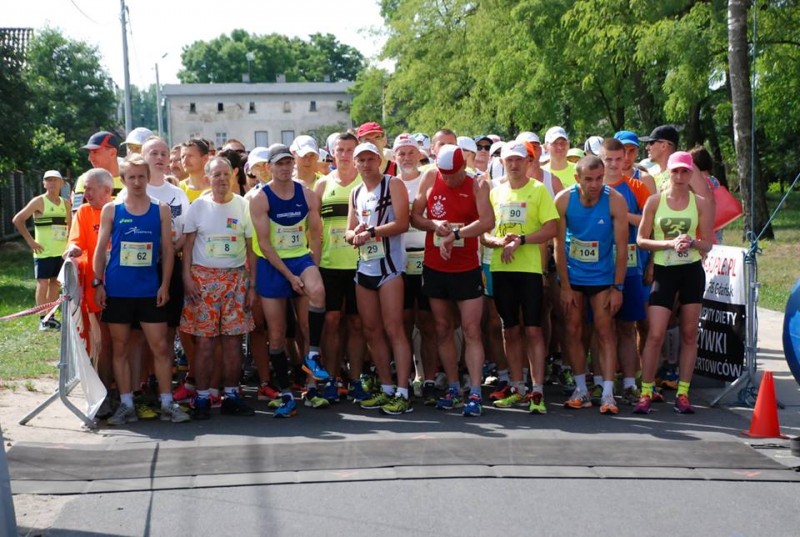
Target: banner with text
(721,338)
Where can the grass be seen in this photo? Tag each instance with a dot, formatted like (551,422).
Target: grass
(779,261)
(25,353)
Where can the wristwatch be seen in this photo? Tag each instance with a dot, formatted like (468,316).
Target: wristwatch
(371,231)
(521,240)
(619,287)
(96,283)
(456,234)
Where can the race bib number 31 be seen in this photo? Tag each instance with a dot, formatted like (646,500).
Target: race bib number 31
(136,254)
(288,237)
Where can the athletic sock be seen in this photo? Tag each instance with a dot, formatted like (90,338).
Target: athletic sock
(598,380)
(502,375)
(454,386)
(388,389)
(232,391)
(580,382)
(126,399)
(628,382)
(403,392)
(316,321)
(203,394)
(166,399)
(280,366)
(213,392)
(683,388)
(537,388)
(476,390)
(647,388)
(608,388)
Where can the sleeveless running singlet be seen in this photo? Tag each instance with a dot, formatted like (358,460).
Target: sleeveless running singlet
(668,224)
(457,206)
(590,240)
(288,222)
(336,253)
(135,247)
(380,256)
(50,229)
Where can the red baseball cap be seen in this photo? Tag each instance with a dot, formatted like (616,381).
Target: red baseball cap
(368,128)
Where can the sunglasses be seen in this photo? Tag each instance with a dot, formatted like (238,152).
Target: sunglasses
(484,147)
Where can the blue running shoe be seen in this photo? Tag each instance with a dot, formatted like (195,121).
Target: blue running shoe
(331,392)
(451,400)
(287,409)
(359,393)
(473,407)
(312,367)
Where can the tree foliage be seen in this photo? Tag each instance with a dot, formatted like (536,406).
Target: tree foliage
(14,112)
(224,59)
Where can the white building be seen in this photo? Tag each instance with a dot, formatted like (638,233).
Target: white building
(255,114)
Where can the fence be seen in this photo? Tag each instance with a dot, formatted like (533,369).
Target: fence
(74,365)
(16,190)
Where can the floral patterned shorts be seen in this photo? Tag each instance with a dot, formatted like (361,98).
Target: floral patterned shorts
(221,310)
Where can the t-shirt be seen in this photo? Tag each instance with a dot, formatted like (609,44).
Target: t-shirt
(521,211)
(567,175)
(221,231)
(83,233)
(191,193)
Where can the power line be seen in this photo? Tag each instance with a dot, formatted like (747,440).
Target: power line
(83,13)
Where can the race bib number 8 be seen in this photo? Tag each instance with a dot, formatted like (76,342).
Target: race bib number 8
(222,246)
(371,250)
(136,254)
(414,263)
(586,251)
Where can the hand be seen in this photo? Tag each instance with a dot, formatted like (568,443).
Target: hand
(100,296)
(297,284)
(73,251)
(190,290)
(569,299)
(682,243)
(442,228)
(361,238)
(647,277)
(512,242)
(360,227)
(163,295)
(252,298)
(36,247)
(614,301)
(446,246)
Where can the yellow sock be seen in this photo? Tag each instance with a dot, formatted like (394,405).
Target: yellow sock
(647,388)
(683,388)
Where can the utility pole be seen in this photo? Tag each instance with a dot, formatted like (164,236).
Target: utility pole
(124,21)
(160,126)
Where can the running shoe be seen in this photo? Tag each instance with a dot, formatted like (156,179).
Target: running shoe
(201,408)
(668,376)
(429,393)
(566,380)
(608,405)
(124,414)
(398,405)
(682,405)
(578,399)
(331,392)
(537,404)
(513,399)
(287,408)
(643,406)
(174,413)
(368,383)
(267,393)
(233,405)
(658,396)
(474,407)
(144,412)
(182,394)
(275,403)
(441,381)
(596,395)
(376,401)
(313,399)
(53,324)
(216,400)
(631,395)
(358,393)
(450,400)
(312,367)
(503,390)
(342,388)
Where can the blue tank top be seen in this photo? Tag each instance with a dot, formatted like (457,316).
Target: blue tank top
(590,240)
(637,258)
(132,270)
(288,225)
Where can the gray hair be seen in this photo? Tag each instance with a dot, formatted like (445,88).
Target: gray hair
(214,160)
(100,176)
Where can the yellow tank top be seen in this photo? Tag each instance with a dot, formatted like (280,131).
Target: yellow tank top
(50,229)
(336,253)
(668,224)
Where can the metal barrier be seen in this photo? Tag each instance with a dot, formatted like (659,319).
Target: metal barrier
(8,520)
(68,376)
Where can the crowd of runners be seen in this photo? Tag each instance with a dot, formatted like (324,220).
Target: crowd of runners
(417,270)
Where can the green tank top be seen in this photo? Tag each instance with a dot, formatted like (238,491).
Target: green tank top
(668,224)
(566,175)
(336,253)
(50,229)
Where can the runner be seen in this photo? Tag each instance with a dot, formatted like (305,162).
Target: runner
(130,290)
(593,220)
(680,223)
(51,221)
(453,208)
(376,221)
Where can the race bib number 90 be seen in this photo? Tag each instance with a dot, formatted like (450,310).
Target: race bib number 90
(513,212)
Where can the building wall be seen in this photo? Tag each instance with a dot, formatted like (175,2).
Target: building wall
(281,116)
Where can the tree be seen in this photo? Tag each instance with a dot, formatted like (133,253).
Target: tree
(367,102)
(14,137)
(143,107)
(54,151)
(70,91)
(753,196)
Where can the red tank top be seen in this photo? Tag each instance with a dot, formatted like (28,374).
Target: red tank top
(457,206)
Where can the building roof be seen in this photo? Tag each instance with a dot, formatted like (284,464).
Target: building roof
(281,88)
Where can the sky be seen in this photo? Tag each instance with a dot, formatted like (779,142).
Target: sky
(159,29)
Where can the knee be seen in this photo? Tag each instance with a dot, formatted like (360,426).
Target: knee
(472,331)
(512,333)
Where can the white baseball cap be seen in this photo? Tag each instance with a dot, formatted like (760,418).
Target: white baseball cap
(366,146)
(303,145)
(554,133)
(52,173)
(467,144)
(514,149)
(528,136)
(138,136)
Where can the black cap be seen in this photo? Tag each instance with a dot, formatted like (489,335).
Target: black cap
(102,139)
(482,137)
(278,152)
(663,132)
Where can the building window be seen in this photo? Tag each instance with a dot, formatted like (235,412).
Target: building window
(220,138)
(252,107)
(313,106)
(220,107)
(287,137)
(192,108)
(262,138)
(287,107)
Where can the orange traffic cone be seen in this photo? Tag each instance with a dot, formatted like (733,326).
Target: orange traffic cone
(765,415)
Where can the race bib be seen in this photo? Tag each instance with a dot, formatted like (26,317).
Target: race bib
(586,251)
(288,237)
(371,250)
(633,256)
(671,258)
(59,233)
(136,254)
(414,263)
(513,212)
(337,237)
(437,240)
(222,247)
